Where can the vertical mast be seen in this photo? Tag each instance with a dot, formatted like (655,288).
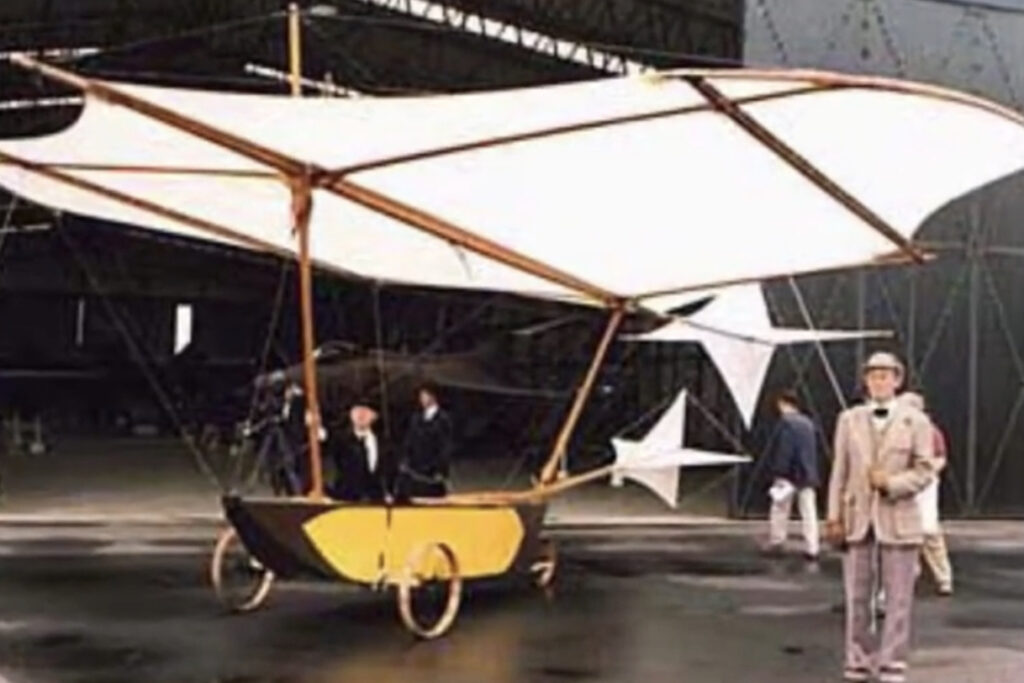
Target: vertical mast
(295,49)
(302,207)
(551,467)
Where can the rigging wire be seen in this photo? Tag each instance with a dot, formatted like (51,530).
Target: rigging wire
(443,335)
(241,81)
(799,367)
(800,364)
(137,353)
(378,329)
(435,344)
(721,428)
(268,340)
(320,36)
(275,314)
(517,467)
(656,408)
(759,465)
(713,483)
(805,313)
(7,222)
(210,29)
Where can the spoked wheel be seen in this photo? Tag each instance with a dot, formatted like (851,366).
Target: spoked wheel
(242,584)
(545,566)
(430,590)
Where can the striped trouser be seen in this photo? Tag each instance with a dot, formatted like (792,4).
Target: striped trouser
(898,565)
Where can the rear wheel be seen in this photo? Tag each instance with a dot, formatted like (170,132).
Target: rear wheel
(242,584)
(546,564)
(430,591)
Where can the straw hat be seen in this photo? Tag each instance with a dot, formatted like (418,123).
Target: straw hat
(883,360)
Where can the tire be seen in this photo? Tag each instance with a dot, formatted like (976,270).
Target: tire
(257,579)
(545,567)
(411,583)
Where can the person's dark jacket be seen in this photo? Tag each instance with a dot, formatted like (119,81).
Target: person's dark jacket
(429,445)
(293,418)
(796,452)
(353,480)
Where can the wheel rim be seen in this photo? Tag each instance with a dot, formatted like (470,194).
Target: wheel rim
(546,565)
(239,581)
(413,583)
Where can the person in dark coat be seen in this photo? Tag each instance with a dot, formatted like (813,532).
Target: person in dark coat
(282,435)
(427,449)
(794,469)
(362,469)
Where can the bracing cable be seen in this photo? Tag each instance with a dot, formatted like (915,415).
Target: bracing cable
(135,349)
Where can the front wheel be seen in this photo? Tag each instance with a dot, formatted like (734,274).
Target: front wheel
(241,583)
(430,591)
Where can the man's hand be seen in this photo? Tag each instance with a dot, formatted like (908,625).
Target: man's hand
(879,479)
(834,532)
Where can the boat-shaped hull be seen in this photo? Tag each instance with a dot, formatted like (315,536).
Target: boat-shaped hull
(372,543)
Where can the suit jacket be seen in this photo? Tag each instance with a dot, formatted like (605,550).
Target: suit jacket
(796,452)
(904,448)
(429,445)
(353,479)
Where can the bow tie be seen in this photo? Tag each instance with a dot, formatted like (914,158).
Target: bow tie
(881,413)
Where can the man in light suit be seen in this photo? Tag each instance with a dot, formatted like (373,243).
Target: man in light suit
(883,458)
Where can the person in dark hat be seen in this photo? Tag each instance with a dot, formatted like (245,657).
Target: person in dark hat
(427,449)
(281,435)
(363,471)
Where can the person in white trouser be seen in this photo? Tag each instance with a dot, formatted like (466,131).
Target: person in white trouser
(934,551)
(795,475)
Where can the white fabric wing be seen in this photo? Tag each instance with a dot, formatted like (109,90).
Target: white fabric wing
(668,431)
(660,471)
(661,203)
(655,461)
(737,334)
(630,464)
(744,366)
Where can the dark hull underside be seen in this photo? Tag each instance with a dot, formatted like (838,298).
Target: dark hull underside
(276,532)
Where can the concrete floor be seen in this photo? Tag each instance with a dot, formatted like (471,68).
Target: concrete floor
(94,602)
